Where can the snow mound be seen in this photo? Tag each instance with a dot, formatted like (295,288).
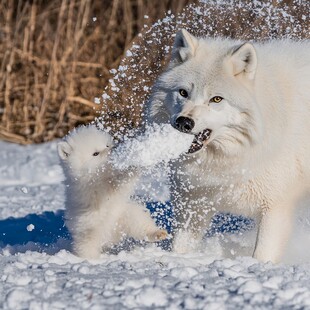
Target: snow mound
(159,143)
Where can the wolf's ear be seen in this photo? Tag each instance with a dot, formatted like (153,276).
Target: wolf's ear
(184,46)
(244,60)
(64,150)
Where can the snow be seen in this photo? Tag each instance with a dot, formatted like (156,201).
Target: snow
(38,271)
(159,143)
(30,227)
(97,100)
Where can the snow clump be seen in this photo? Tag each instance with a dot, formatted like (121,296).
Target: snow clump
(159,143)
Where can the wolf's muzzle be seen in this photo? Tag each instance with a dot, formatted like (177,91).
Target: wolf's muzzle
(184,124)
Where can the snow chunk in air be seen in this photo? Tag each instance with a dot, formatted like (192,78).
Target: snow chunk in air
(159,143)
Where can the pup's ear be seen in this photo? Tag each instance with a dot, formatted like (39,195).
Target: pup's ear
(64,150)
(184,46)
(244,60)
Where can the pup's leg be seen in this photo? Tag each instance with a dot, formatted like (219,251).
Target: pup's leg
(88,243)
(140,225)
(273,232)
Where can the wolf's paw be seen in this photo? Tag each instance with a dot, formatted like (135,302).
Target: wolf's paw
(158,235)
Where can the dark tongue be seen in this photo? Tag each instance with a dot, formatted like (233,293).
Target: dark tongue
(197,143)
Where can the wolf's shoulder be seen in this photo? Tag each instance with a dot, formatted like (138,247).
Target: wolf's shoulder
(264,48)
(294,53)
(270,43)
(284,45)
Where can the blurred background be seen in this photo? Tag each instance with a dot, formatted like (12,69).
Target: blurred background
(56,56)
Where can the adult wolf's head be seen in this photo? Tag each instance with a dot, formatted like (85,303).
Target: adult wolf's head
(207,91)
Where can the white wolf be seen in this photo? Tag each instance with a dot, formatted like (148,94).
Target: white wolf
(247,106)
(98,207)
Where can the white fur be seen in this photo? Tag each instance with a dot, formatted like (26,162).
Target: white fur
(257,161)
(99,211)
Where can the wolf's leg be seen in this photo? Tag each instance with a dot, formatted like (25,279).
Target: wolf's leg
(190,229)
(140,225)
(273,232)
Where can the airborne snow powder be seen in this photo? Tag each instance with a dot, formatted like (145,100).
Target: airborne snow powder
(159,143)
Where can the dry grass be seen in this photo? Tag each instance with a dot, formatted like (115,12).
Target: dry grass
(55,57)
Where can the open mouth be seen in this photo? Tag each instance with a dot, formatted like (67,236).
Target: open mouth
(199,140)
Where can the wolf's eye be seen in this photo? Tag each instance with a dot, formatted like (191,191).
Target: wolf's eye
(96,154)
(216,99)
(183,93)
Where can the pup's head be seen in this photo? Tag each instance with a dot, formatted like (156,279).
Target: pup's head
(207,91)
(85,150)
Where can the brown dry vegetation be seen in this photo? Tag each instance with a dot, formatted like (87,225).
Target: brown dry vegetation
(55,57)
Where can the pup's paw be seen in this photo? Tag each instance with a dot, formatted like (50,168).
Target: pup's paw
(158,235)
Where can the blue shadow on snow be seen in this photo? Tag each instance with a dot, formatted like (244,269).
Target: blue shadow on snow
(44,231)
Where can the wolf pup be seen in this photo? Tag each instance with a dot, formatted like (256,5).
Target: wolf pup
(99,211)
(247,106)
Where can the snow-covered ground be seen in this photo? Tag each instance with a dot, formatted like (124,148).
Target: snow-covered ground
(39,272)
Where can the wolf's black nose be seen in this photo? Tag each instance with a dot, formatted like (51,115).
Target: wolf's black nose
(184,124)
